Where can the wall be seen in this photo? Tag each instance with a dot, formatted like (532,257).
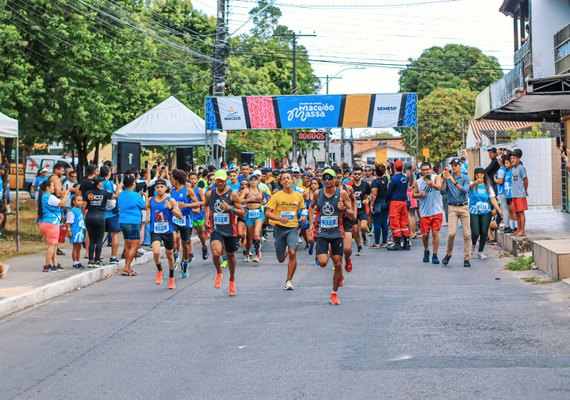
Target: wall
(546,18)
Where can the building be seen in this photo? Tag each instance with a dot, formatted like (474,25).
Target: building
(364,150)
(538,87)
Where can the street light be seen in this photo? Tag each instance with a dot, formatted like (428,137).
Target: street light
(327,140)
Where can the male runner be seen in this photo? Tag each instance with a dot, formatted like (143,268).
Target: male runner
(347,222)
(331,203)
(281,212)
(361,193)
(198,213)
(233,183)
(222,207)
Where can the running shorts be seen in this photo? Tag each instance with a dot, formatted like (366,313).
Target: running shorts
(230,243)
(184,231)
(284,238)
(254,215)
(196,223)
(362,215)
(167,239)
(336,245)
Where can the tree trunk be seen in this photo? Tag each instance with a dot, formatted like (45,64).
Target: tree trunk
(96,155)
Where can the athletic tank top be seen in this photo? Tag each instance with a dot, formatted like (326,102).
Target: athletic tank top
(223,221)
(198,216)
(432,203)
(50,214)
(329,224)
(160,217)
(182,195)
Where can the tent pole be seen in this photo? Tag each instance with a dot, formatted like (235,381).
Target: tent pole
(17,193)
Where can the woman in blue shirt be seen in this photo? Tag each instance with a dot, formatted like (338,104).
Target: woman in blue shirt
(482,200)
(49,219)
(130,205)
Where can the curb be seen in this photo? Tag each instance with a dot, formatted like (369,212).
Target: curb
(52,290)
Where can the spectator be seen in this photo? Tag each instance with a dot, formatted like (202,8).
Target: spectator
(519,191)
(76,229)
(41,178)
(379,207)
(112,226)
(493,167)
(49,217)
(501,193)
(413,207)
(131,204)
(398,214)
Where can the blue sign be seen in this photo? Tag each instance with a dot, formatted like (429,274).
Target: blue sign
(298,112)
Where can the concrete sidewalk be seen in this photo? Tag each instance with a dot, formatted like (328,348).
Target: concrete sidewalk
(26,285)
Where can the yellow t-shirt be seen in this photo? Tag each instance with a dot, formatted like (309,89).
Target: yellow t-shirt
(286,206)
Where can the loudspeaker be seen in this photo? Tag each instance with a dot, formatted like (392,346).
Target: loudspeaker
(248,158)
(184,158)
(128,157)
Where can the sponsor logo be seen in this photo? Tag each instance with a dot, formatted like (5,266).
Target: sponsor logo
(232,115)
(386,108)
(328,209)
(309,110)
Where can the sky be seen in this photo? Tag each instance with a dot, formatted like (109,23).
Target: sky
(380,35)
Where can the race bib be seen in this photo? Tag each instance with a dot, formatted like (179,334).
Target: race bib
(253,214)
(221,218)
(482,207)
(161,227)
(179,221)
(358,203)
(330,221)
(288,215)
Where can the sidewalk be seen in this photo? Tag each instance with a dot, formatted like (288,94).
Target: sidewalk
(26,285)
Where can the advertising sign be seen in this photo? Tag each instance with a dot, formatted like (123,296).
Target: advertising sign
(309,111)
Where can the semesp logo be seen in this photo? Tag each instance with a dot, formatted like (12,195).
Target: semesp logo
(232,115)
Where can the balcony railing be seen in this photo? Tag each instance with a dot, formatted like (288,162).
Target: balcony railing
(521,53)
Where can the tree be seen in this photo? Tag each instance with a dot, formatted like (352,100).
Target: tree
(452,66)
(439,117)
(534,133)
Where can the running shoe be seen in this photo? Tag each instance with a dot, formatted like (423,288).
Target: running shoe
(247,258)
(482,256)
(79,266)
(99,264)
(53,267)
(175,255)
(176,262)
(264,239)
(445,260)
(466,264)
(289,285)
(334,299)
(311,249)
(359,251)
(317,261)
(184,274)
(341,283)
(171,284)
(91,264)
(426,256)
(255,259)
(158,279)
(59,252)
(348,265)
(58,266)
(205,253)
(218,280)
(46,268)
(232,291)
(140,253)
(224,263)
(434,259)
(113,261)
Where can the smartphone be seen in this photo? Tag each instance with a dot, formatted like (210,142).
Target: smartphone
(119,178)
(427,177)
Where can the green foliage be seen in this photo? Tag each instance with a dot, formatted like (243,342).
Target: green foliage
(520,264)
(439,121)
(534,133)
(452,66)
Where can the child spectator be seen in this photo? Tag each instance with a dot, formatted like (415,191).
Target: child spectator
(76,229)
(519,191)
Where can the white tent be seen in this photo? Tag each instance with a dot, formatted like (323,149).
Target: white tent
(170,123)
(9,129)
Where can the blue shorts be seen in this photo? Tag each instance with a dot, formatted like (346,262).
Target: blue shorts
(131,231)
(254,215)
(112,224)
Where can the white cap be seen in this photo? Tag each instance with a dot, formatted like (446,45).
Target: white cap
(257,172)
(296,169)
(44,170)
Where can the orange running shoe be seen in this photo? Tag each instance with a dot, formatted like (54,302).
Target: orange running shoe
(158,279)
(218,280)
(341,284)
(171,284)
(348,265)
(232,291)
(334,299)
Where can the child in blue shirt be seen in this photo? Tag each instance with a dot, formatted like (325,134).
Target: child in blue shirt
(76,229)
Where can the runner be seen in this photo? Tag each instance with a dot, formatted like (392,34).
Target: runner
(222,207)
(253,198)
(187,201)
(198,213)
(361,193)
(281,212)
(347,222)
(331,203)
(427,191)
(162,209)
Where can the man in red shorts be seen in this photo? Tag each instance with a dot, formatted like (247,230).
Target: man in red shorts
(427,191)
(519,191)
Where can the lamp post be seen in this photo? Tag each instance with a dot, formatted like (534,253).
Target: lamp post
(329,78)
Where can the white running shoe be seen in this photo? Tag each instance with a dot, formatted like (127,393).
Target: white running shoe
(288,285)
(482,256)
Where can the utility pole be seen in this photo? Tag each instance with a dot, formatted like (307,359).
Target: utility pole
(342,145)
(294,36)
(351,147)
(328,131)
(220,51)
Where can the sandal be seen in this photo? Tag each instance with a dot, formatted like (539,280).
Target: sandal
(129,273)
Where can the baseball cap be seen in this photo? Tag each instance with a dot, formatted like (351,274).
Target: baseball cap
(44,170)
(295,169)
(517,153)
(330,172)
(455,161)
(266,169)
(493,149)
(160,182)
(276,172)
(221,175)
(257,172)
(398,164)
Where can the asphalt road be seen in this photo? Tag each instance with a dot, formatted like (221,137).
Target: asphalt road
(404,330)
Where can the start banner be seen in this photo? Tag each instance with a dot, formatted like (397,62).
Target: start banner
(312,111)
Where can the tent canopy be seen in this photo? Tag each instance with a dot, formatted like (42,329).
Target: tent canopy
(170,123)
(8,127)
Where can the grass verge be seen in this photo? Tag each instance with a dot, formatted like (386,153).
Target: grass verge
(520,264)
(537,281)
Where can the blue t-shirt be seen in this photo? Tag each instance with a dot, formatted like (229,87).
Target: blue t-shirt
(51,211)
(234,186)
(480,200)
(501,175)
(508,183)
(130,205)
(76,224)
(398,188)
(39,180)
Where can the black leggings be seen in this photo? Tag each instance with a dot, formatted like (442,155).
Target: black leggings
(96,228)
(480,229)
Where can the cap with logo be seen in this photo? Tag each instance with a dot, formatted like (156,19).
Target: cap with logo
(455,161)
(221,175)
(295,169)
(330,172)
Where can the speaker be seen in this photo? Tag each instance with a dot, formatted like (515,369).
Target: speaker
(184,158)
(128,157)
(247,157)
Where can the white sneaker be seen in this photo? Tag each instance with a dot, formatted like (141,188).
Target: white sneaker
(288,285)
(482,256)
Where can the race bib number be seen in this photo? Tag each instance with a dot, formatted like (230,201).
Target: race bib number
(221,218)
(253,214)
(358,203)
(179,221)
(161,227)
(329,221)
(482,207)
(288,215)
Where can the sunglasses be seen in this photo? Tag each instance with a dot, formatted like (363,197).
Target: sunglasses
(367,170)
(220,181)
(328,177)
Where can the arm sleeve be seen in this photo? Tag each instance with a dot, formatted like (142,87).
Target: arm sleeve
(53,201)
